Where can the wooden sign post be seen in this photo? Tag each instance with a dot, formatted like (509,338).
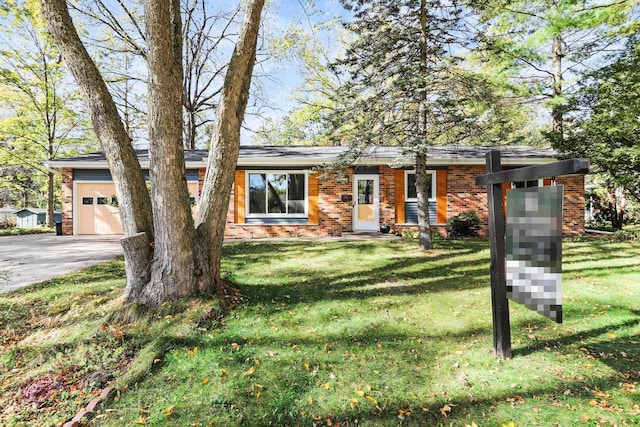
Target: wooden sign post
(493,180)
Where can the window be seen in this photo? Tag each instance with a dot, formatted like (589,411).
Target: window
(528,184)
(103,200)
(87,200)
(277,194)
(410,185)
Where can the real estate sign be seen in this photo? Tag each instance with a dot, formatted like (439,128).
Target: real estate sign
(534,249)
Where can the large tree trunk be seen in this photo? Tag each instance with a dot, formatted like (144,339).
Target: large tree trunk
(225,144)
(133,197)
(424,241)
(173,272)
(164,259)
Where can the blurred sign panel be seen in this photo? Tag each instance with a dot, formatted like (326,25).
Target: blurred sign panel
(534,249)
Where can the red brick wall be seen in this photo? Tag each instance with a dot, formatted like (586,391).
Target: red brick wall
(573,204)
(463,194)
(67,201)
(334,216)
(388,195)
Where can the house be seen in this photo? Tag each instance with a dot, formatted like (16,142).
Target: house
(35,217)
(280,192)
(7,213)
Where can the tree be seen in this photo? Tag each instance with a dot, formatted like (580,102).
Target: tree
(403,86)
(605,127)
(41,117)
(167,255)
(208,38)
(542,42)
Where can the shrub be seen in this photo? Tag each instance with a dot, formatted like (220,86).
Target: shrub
(465,224)
(7,222)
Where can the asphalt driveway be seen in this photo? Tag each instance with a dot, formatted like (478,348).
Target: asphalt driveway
(29,259)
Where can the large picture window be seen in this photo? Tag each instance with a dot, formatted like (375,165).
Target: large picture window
(410,185)
(277,194)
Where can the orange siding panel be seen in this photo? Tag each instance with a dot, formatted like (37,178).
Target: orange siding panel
(441,196)
(399,199)
(239,196)
(313,199)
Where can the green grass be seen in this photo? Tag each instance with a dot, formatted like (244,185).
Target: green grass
(358,333)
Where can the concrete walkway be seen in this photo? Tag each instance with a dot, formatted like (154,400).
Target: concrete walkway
(33,258)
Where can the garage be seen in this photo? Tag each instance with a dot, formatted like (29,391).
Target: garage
(97,209)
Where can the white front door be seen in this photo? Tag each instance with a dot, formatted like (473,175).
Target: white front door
(366,211)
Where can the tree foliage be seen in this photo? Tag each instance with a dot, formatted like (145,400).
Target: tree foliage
(41,117)
(542,44)
(404,83)
(606,126)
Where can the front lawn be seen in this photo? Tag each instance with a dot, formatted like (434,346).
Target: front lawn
(350,333)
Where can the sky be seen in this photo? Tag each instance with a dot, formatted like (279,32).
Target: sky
(284,76)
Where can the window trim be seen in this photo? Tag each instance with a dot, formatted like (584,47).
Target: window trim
(275,215)
(433,174)
(540,183)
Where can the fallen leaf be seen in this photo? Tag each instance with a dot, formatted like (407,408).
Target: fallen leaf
(511,424)
(610,335)
(371,399)
(168,411)
(444,410)
(205,380)
(359,393)
(141,420)
(224,373)
(305,366)
(326,386)
(249,372)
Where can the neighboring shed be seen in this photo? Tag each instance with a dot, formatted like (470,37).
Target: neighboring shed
(34,217)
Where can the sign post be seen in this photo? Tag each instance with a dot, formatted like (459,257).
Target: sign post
(493,180)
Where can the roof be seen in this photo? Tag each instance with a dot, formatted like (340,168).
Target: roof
(270,156)
(37,211)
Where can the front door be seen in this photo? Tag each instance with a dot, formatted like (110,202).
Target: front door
(366,210)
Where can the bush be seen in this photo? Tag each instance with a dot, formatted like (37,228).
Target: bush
(624,235)
(465,224)
(7,222)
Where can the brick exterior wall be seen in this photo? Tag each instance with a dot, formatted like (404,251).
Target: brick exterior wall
(573,205)
(335,217)
(67,202)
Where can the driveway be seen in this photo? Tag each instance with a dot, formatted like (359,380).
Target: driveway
(33,258)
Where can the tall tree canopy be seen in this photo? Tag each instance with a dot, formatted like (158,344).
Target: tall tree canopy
(543,43)
(404,84)
(41,118)
(606,126)
(167,254)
